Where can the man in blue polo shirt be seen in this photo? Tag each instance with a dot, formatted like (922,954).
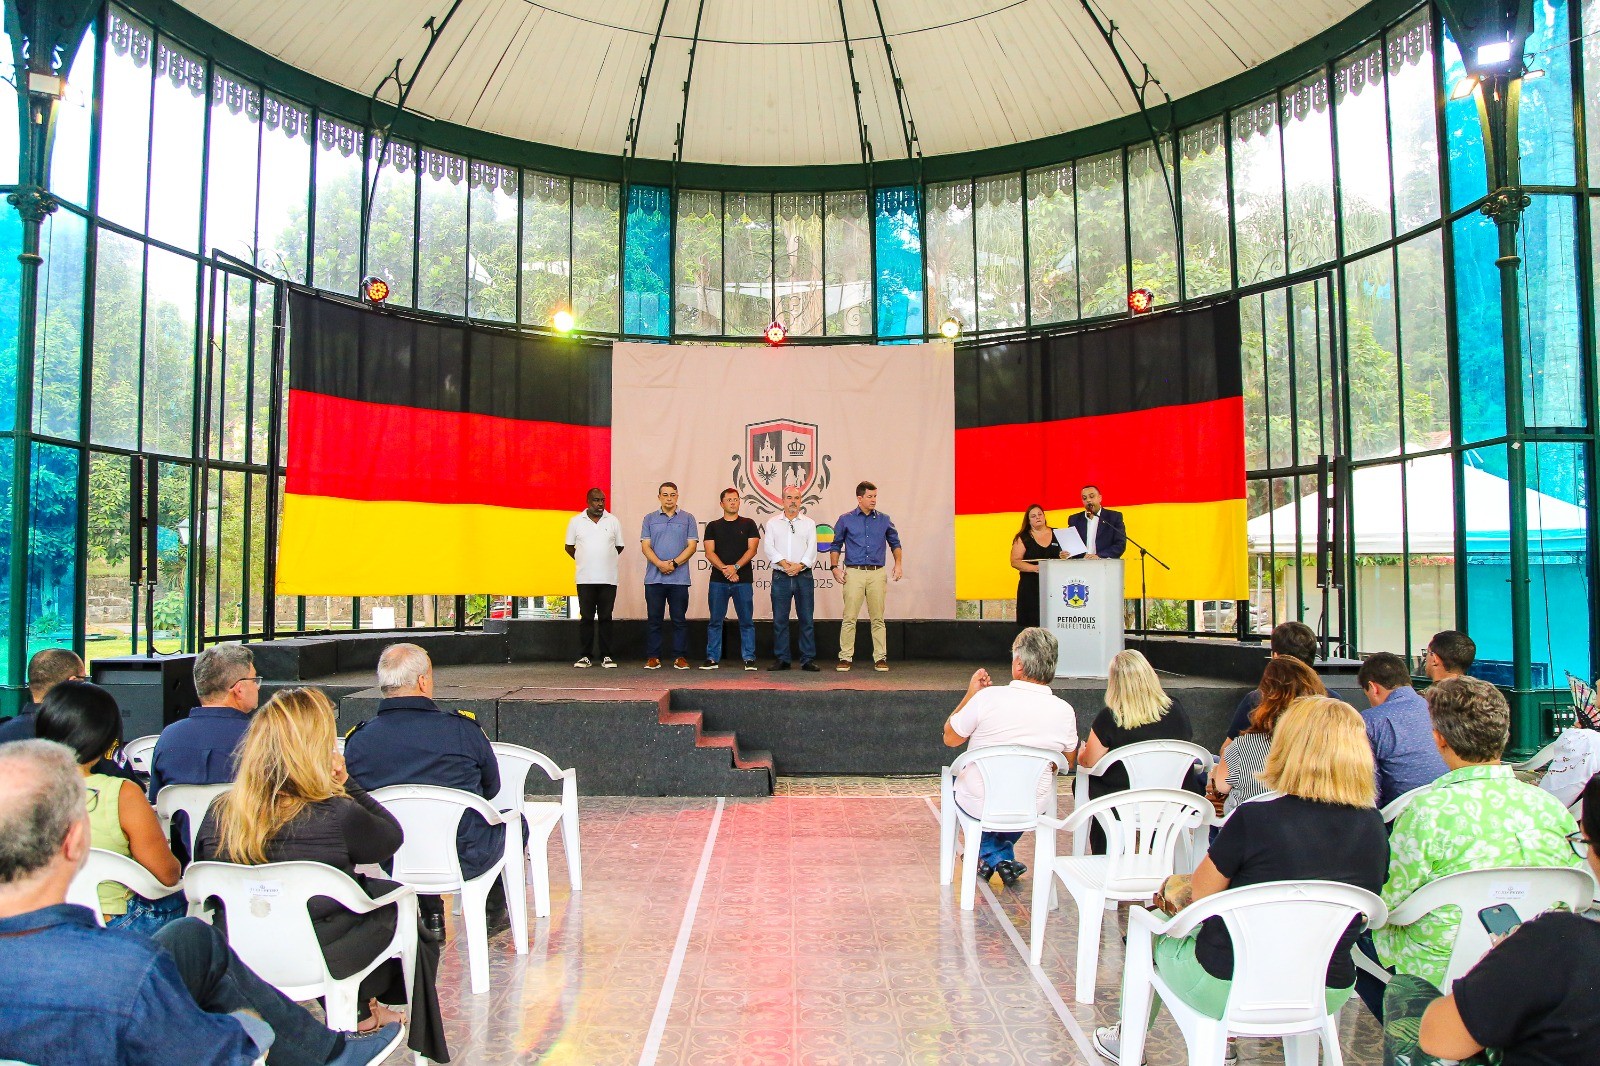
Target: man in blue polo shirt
(669,539)
(865,536)
(198,750)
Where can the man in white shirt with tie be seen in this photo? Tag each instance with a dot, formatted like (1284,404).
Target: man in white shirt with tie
(790,545)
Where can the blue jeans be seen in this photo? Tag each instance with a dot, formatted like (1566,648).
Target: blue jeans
(222,984)
(145,916)
(717,597)
(657,600)
(994,847)
(802,589)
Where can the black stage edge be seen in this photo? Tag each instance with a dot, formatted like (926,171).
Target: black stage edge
(728,732)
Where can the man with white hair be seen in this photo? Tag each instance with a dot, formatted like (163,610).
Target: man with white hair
(1024,712)
(413,741)
(103,997)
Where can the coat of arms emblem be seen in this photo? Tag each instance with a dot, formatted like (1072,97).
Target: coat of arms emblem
(1075,594)
(780,454)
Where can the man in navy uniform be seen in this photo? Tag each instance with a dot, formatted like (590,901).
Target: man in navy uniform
(413,741)
(198,750)
(1102,530)
(46,670)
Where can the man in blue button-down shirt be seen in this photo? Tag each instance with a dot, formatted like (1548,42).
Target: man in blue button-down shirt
(865,536)
(669,538)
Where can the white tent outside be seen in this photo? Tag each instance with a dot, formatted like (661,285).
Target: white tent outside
(1427,525)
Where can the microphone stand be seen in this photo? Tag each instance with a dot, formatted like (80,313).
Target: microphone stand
(1144,593)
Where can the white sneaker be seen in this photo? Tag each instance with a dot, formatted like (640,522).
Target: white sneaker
(1108,1041)
(608,663)
(583,663)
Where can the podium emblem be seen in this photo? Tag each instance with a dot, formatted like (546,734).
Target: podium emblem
(1075,594)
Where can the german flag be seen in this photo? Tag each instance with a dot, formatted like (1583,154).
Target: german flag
(1150,410)
(429,457)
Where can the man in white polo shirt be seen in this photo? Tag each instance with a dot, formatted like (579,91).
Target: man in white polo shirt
(594,539)
(1024,712)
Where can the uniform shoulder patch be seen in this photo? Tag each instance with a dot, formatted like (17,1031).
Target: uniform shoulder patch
(352,730)
(462,712)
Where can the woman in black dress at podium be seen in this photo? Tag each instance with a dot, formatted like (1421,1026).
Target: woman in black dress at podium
(1036,541)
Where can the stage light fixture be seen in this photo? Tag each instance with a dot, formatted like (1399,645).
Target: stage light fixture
(1494,54)
(563,321)
(1464,88)
(776,334)
(950,328)
(1141,301)
(1532,75)
(375,289)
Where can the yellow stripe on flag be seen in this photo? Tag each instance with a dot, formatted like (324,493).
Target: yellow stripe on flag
(1204,543)
(337,547)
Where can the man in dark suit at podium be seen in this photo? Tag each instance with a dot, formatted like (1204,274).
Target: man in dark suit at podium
(1102,530)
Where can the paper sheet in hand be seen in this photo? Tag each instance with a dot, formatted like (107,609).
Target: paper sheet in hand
(1070,542)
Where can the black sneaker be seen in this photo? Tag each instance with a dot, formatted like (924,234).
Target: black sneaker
(781,664)
(1010,871)
(750,664)
(709,664)
(810,667)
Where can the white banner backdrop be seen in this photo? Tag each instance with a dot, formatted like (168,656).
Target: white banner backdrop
(712,417)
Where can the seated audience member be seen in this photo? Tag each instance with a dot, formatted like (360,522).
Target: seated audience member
(85,718)
(1530,998)
(1282,682)
(1476,817)
(46,670)
(1024,712)
(413,741)
(1576,761)
(1136,710)
(1289,640)
(1451,653)
(89,996)
(199,749)
(1318,824)
(1398,727)
(293,801)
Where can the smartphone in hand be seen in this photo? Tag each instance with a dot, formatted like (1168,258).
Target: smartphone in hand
(1499,921)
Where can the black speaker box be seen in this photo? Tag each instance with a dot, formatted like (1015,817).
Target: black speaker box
(152,692)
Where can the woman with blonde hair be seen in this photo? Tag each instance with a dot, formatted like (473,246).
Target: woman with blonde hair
(1137,709)
(1319,822)
(1236,774)
(292,800)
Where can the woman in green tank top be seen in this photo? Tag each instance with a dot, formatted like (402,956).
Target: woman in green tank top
(85,718)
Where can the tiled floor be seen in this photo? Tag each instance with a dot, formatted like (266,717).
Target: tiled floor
(816,934)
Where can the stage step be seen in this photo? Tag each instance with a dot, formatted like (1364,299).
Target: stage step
(743,763)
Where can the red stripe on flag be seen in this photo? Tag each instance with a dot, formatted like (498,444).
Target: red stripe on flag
(1188,454)
(354,450)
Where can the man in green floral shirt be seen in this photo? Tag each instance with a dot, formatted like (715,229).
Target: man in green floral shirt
(1477,816)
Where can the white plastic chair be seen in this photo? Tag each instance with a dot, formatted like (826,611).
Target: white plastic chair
(1283,933)
(1396,807)
(542,816)
(1011,774)
(1150,764)
(427,862)
(193,800)
(102,866)
(1531,890)
(270,928)
(137,752)
(1145,830)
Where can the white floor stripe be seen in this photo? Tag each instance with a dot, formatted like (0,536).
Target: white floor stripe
(1040,978)
(669,984)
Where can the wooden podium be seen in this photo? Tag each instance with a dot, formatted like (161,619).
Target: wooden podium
(1080,601)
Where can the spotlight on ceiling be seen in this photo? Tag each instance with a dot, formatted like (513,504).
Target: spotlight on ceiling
(950,328)
(776,334)
(1141,301)
(1494,54)
(374,289)
(1464,88)
(563,321)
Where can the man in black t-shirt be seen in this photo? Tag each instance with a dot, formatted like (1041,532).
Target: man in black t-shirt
(730,544)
